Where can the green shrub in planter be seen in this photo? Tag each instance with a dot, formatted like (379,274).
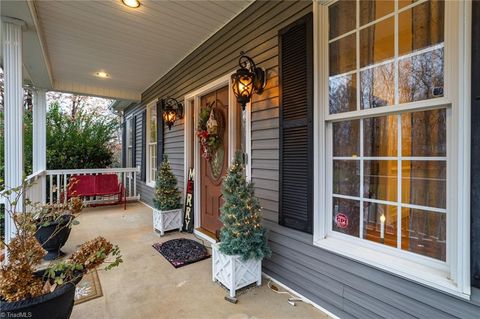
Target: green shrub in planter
(242,233)
(167,196)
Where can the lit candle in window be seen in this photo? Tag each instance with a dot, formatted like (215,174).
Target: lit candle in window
(382,228)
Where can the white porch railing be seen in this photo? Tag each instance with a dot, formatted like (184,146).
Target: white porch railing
(50,185)
(57,182)
(36,192)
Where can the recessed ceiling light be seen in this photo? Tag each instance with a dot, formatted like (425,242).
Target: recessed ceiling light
(102,74)
(131,3)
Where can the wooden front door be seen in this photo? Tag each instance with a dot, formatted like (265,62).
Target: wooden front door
(213,170)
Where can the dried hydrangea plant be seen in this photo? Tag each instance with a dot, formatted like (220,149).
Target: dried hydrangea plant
(18,280)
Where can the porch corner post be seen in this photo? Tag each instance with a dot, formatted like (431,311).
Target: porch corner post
(13,104)
(40,140)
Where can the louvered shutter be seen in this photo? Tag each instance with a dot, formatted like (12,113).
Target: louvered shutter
(475,168)
(296,125)
(124,144)
(143,170)
(159,135)
(134,141)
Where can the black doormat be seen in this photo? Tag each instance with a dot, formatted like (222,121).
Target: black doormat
(182,251)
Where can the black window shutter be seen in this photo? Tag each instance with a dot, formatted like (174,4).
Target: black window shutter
(296,125)
(124,144)
(143,169)
(475,152)
(134,141)
(160,131)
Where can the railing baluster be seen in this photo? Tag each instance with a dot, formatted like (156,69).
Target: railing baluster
(125,182)
(130,180)
(65,187)
(135,184)
(51,189)
(58,188)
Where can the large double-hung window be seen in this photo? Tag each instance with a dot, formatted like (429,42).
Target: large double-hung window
(390,128)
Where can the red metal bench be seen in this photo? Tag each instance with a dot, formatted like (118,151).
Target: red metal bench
(97,185)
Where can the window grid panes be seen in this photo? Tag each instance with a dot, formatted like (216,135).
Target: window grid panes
(129,140)
(392,188)
(153,161)
(371,65)
(389,172)
(152,143)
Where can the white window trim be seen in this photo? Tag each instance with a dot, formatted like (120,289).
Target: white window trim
(452,276)
(129,142)
(149,180)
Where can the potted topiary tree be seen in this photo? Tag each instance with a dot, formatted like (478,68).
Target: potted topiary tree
(237,259)
(47,293)
(167,213)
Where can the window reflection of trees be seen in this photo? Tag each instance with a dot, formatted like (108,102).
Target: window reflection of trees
(377,86)
(343,94)
(421,76)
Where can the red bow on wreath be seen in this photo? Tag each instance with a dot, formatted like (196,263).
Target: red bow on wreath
(203,135)
(210,141)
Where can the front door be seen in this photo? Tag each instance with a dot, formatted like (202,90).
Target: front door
(214,168)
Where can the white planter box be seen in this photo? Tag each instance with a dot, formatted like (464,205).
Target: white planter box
(164,220)
(233,272)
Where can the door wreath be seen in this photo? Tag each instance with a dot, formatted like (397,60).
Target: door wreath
(210,130)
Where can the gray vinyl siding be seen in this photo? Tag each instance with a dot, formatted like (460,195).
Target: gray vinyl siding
(174,149)
(347,288)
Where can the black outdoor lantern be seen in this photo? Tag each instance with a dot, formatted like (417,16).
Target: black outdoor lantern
(171,111)
(247,80)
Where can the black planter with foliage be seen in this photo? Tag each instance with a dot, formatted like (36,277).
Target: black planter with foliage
(60,229)
(55,305)
(50,293)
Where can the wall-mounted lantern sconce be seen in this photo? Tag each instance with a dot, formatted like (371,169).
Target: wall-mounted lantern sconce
(247,80)
(171,111)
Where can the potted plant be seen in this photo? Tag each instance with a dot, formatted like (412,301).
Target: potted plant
(237,259)
(54,223)
(48,293)
(167,213)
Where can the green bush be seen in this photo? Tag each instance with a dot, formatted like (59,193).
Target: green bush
(84,141)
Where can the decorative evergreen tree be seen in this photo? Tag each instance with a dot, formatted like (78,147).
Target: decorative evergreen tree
(167,196)
(242,233)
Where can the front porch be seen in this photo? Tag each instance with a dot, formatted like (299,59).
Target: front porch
(147,286)
(362,146)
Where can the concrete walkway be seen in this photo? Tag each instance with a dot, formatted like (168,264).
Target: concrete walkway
(146,285)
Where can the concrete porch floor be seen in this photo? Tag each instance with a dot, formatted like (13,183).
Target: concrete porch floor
(147,286)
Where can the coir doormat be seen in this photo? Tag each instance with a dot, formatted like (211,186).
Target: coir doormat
(88,288)
(181,252)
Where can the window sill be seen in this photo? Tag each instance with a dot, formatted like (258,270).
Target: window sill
(151,184)
(427,276)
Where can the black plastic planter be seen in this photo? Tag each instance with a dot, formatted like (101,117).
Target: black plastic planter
(55,305)
(53,244)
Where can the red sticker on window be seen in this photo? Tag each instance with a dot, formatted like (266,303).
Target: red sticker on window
(341,220)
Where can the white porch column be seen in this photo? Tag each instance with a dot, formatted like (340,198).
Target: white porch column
(13,95)
(40,141)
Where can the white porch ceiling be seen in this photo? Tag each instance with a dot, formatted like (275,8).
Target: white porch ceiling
(134,46)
